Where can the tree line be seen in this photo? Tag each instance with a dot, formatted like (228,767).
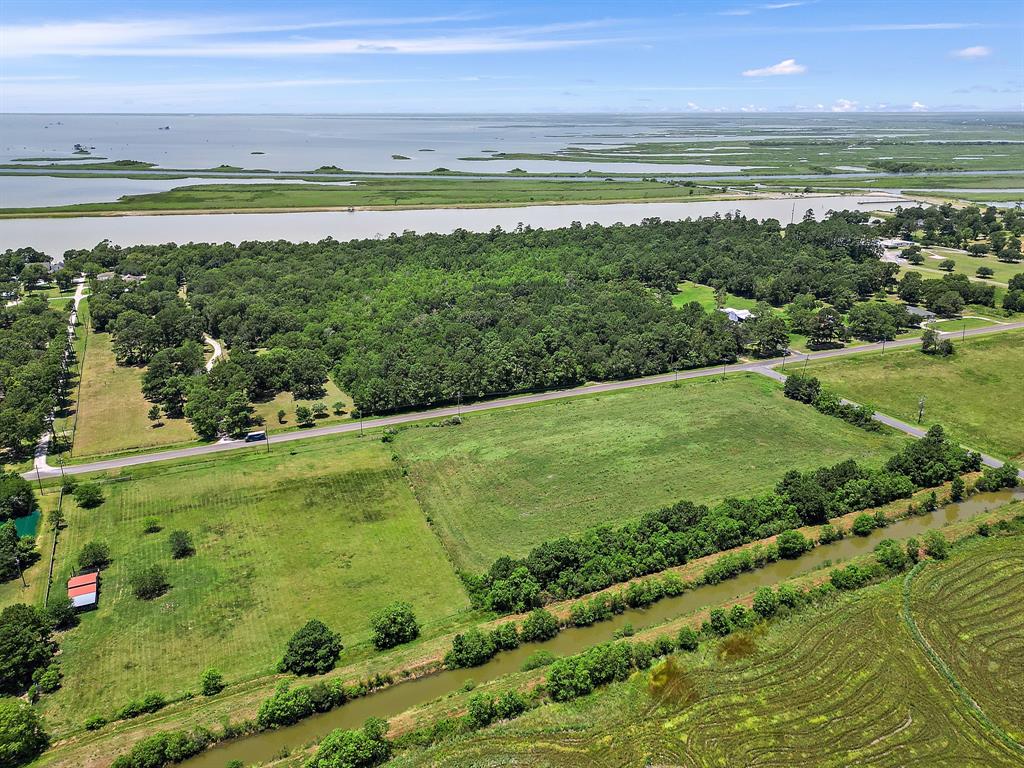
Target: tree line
(569,567)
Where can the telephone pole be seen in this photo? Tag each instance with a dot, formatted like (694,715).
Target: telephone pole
(920,409)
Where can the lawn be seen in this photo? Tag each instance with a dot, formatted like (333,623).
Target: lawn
(705,296)
(961,324)
(506,480)
(267,410)
(112,411)
(328,529)
(968,265)
(974,394)
(845,684)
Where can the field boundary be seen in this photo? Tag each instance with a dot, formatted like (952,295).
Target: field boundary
(943,669)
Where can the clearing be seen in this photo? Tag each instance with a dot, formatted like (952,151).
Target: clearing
(327,529)
(971,393)
(508,479)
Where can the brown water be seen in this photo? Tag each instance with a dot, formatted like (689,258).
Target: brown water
(403,696)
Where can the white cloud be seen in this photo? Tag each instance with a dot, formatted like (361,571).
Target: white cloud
(780,6)
(786,67)
(973,52)
(917,106)
(844,105)
(191,37)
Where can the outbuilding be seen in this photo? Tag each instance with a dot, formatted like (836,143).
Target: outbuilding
(84,590)
(737,315)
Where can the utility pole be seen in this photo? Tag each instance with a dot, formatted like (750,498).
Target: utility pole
(460,404)
(920,409)
(21,573)
(963,335)
(266,437)
(360,422)
(39,481)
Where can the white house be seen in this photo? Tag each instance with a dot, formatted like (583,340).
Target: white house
(737,315)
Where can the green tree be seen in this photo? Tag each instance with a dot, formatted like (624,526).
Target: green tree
(718,622)
(16,497)
(313,650)
(304,416)
(353,749)
(25,646)
(935,545)
(154,415)
(957,489)
(863,525)
(766,602)
(540,625)
(792,544)
(338,407)
(281,413)
(21,733)
(320,410)
(687,639)
(947,265)
(148,582)
(88,495)
(180,543)
(394,625)
(828,328)
(237,414)
(211,682)
(94,554)
(984,272)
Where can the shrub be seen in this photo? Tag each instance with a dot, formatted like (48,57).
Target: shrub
(509,705)
(49,680)
(61,614)
(313,650)
(540,625)
(284,707)
(481,711)
(95,722)
(995,479)
(21,733)
(394,625)
(470,649)
(957,489)
(353,749)
(88,495)
(95,554)
(890,554)
(211,682)
(180,543)
(718,622)
(506,637)
(687,639)
(766,602)
(830,533)
(801,387)
(151,525)
(792,544)
(538,659)
(935,545)
(165,748)
(149,582)
(863,525)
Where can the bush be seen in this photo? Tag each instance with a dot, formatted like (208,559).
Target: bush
(480,713)
(149,582)
(49,680)
(313,650)
(21,733)
(61,614)
(151,702)
(88,495)
(211,682)
(506,637)
(509,705)
(353,749)
(180,543)
(830,533)
(165,748)
(538,659)
(95,722)
(766,602)
(470,649)
(687,639)
(792,544)
(540,625)
(394,625)
(285,707)
(718,622)
(863,525)
(801,387)
(995,479)
(151,525)
(935,545)
(95,554)
(890,554)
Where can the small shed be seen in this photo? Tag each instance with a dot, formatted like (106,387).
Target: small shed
(83,590)
(919,312)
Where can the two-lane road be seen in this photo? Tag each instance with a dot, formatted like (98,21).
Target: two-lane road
(487,405)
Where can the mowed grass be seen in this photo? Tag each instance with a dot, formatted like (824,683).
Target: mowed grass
(507,480)
(968,265)
(705,296)
(332,532)
(267,410)
(974,394)
(839,686)
(112,413)
(968,610)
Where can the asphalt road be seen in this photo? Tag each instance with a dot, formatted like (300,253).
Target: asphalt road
(759,366)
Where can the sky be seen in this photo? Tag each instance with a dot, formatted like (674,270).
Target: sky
(266,56)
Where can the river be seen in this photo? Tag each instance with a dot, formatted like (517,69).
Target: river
(55,236)
(403,696)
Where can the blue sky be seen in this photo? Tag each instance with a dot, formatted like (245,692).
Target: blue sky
(296,56)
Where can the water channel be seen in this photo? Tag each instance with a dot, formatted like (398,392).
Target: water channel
(54,236)
(403,696)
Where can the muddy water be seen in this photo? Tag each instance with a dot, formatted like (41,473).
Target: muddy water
(398,698)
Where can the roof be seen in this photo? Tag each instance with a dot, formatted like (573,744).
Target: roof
(737,314)
(85,578)
(85,589)
(918,311)
(84,601)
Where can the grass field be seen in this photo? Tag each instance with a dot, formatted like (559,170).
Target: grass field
(962,324)
(705,296)
(968,265)
(112,411)
(972,393)
(968,610)
(329,530)
(842,685)
(285,400)
(381,193)
(509,479)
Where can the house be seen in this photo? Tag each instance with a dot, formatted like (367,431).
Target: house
(83,591)
(737,315)
(919,312)
(895,243)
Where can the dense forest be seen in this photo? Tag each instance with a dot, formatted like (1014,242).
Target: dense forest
(979,231)
(416,319)
(31,351)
